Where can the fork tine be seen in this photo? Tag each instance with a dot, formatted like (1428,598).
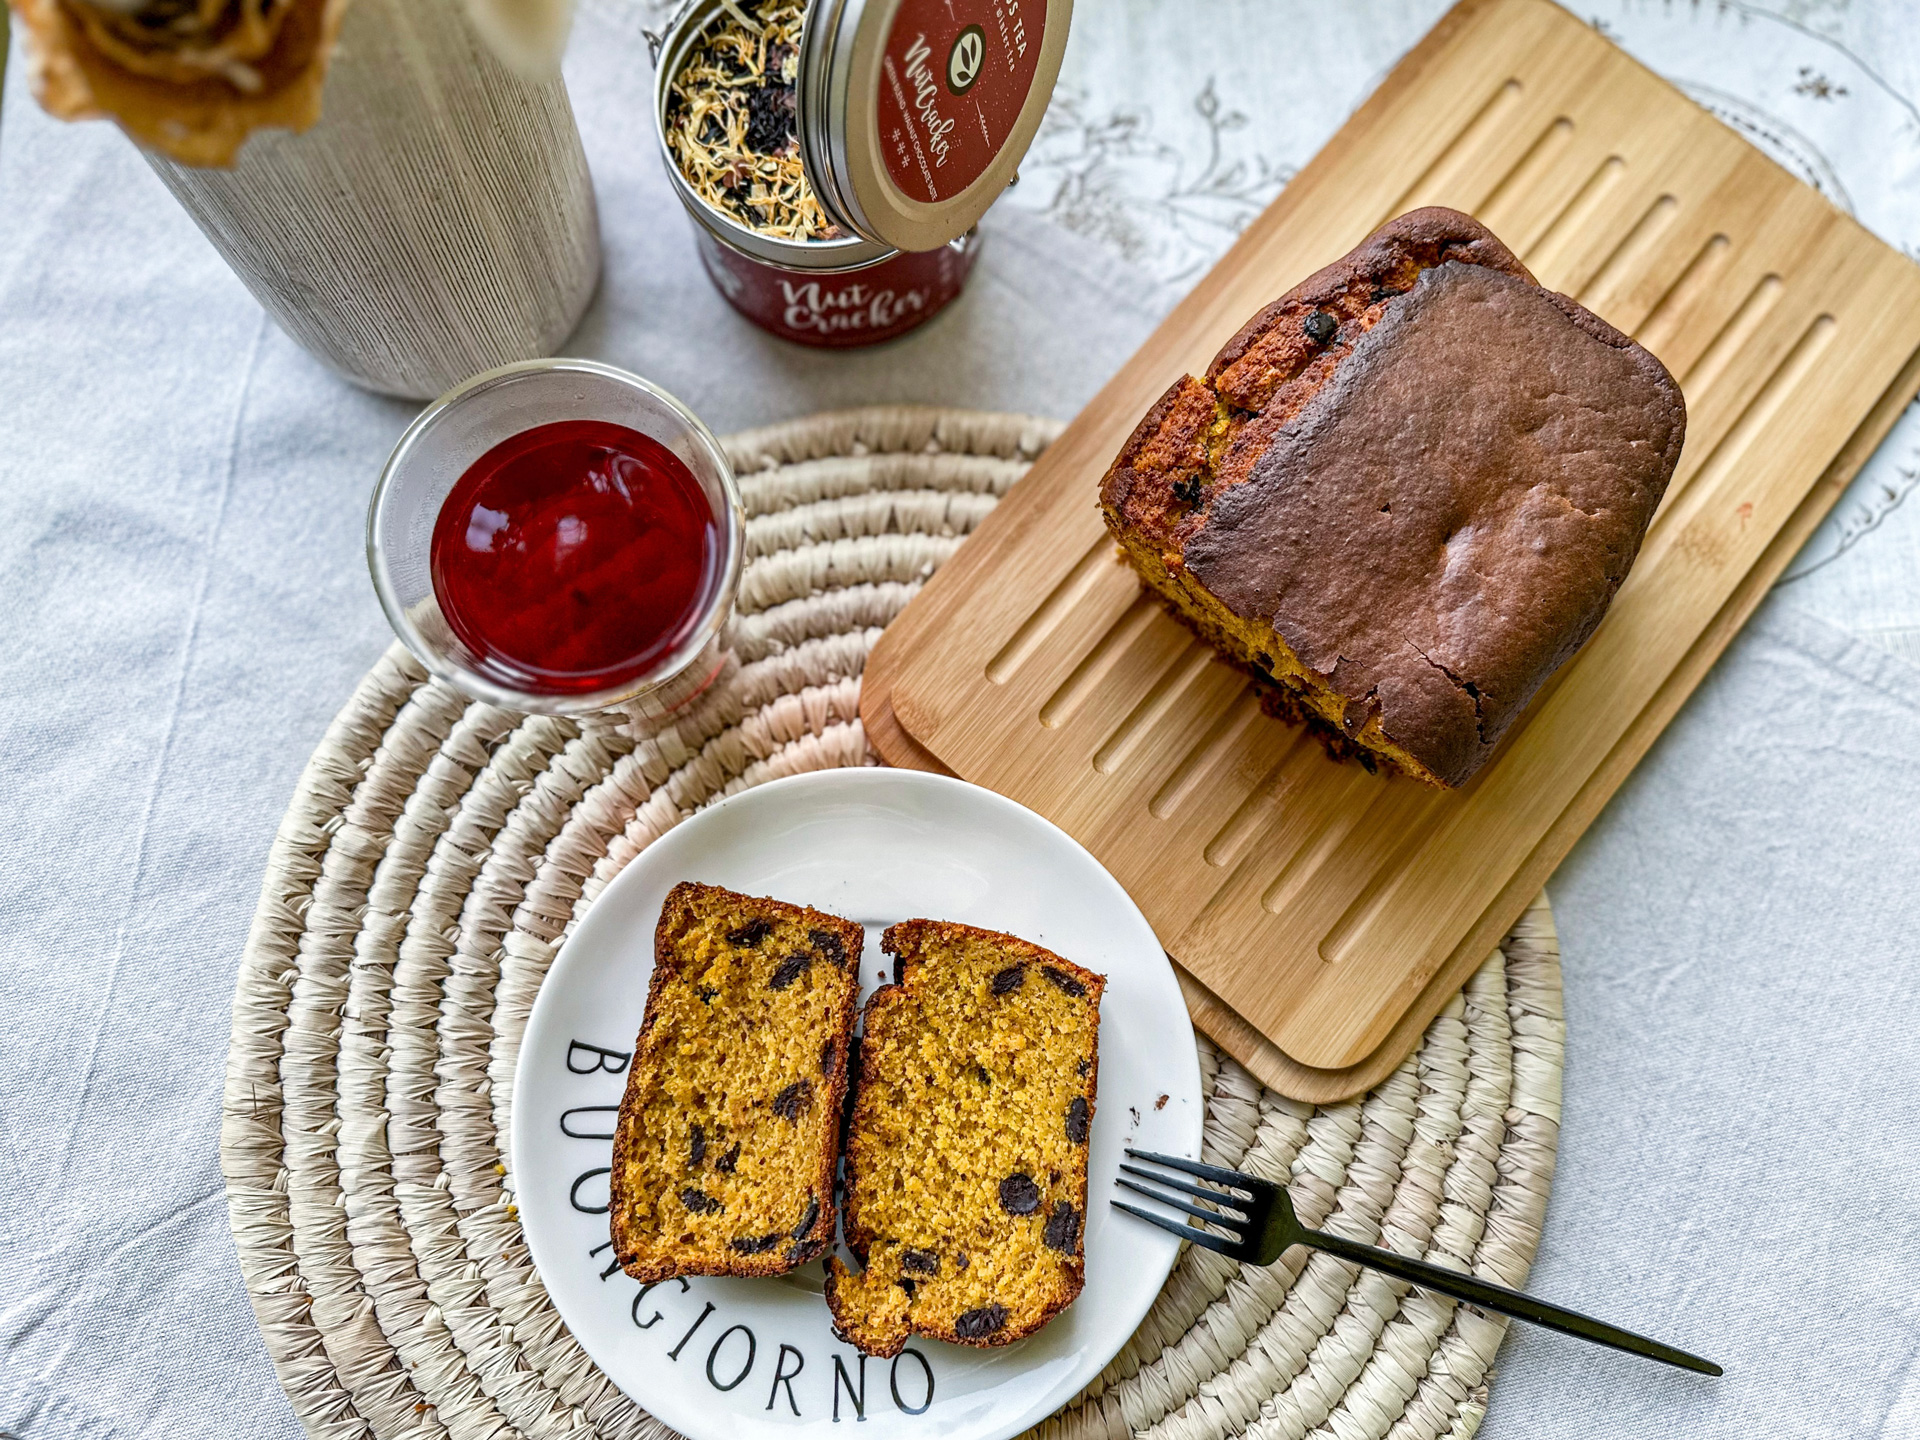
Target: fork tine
(1199,1192)
(1215,1173)
(1212,1217)
(1185,1232)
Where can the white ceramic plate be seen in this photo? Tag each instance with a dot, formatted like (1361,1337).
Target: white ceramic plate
(728,1359)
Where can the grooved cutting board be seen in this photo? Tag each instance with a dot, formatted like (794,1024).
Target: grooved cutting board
(1321,914)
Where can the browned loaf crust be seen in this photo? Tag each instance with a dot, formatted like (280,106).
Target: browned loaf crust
(966,1173)
(724,1154)
(1407,490)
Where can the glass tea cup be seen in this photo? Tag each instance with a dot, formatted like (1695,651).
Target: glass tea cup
(465,424)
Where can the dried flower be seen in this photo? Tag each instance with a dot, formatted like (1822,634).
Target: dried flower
(190,79)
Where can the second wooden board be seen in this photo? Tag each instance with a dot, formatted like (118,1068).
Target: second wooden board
(1323,909)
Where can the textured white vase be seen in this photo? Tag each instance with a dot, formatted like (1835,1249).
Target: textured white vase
(437,221)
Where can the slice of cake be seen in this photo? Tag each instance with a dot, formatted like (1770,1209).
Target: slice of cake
(724,1154)
(967,1149)
(1406,491)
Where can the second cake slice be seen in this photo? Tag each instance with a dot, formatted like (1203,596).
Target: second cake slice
(723,1158)
(967,1151)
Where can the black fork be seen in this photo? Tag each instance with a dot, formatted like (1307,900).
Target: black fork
(1252,1220)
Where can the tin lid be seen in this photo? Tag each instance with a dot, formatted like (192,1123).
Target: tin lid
(914,114)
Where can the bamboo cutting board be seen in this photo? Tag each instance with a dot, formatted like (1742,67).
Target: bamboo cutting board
(1320,914)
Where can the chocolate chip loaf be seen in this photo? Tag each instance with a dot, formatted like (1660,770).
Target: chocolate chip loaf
(967,1151)
(724,1153)
(1406,491)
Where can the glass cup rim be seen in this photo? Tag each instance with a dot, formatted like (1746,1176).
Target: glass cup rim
(482,687)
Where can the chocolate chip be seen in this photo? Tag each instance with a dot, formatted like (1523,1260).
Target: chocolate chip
(706,994)
(1009,980)
(1320,326)
(790,970)
(1381,292)
(699,1202)
(1187,490)
(1019,1195)
(1083,1067)
(978,1324)
(696,1147)
(1077,1118)
(905,1284)
(960,1261)
(791,1103)
(1063,1228)
(981,1074)
(827,1052)
(755,1244)
(828,944)
(750,934)
(921,1262)
(806,1220)
(1066,982)
(727,1161)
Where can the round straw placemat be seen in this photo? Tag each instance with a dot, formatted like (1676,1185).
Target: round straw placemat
(436,854)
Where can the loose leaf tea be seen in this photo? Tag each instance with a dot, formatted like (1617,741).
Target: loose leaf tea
(732,127)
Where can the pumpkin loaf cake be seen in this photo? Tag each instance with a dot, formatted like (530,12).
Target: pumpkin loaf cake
(1405,492)
(723,1158)
(966,1175)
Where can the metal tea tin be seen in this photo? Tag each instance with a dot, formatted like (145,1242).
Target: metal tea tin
(912,117)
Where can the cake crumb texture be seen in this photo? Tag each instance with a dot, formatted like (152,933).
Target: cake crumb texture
(725,1150)
(967,1148)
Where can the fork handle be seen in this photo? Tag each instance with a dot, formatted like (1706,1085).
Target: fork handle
(1507,1302)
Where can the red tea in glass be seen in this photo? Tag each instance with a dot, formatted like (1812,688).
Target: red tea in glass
(572,556)
(560,536)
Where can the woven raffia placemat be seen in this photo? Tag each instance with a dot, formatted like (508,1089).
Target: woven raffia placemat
(435,856)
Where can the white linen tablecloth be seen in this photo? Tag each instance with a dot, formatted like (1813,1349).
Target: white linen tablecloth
(186,605)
